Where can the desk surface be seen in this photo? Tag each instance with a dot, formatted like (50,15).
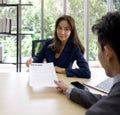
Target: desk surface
(18,98)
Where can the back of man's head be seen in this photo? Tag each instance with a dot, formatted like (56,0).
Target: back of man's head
(108,31)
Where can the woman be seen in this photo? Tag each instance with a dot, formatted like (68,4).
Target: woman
(64,49)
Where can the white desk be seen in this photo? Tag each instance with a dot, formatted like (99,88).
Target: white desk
(17,98)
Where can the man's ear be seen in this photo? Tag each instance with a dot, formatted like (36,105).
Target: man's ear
(108,51)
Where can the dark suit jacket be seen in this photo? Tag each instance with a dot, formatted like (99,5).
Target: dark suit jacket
(69,54)
(97,104)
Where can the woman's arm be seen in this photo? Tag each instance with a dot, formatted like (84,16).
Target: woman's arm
(82,70)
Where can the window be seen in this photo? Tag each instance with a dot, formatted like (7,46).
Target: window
(41,18)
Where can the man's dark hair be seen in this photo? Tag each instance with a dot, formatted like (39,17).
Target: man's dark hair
(108,31)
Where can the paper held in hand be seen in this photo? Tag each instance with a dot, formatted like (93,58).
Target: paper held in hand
(42,75)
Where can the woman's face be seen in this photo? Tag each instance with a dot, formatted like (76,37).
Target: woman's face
(63,31)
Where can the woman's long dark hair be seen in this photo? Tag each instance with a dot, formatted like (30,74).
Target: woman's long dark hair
(56,44)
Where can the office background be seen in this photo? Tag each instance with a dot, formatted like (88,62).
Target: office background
(39,19)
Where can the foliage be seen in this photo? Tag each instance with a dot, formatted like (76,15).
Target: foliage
(117,4)
(94,14)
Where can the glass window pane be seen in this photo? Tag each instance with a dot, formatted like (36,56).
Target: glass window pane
(75,8)
(52,10)
(95,13)
(116,5)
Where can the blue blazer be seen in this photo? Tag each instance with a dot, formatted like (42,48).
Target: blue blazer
(69,54)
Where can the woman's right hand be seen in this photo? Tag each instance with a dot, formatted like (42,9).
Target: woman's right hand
(29,61)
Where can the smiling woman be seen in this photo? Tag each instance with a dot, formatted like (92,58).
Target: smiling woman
(63,33)
(64,49)
(41,16)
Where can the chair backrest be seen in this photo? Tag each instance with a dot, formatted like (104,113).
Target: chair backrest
(36,45)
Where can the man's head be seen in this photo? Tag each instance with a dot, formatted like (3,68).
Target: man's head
(107,30)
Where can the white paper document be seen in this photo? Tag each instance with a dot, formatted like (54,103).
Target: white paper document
(42,75)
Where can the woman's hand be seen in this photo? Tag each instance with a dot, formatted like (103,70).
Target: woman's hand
(60,70)
(29,61)
(61,86)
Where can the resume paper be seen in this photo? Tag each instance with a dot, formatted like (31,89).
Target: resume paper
(42,75)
